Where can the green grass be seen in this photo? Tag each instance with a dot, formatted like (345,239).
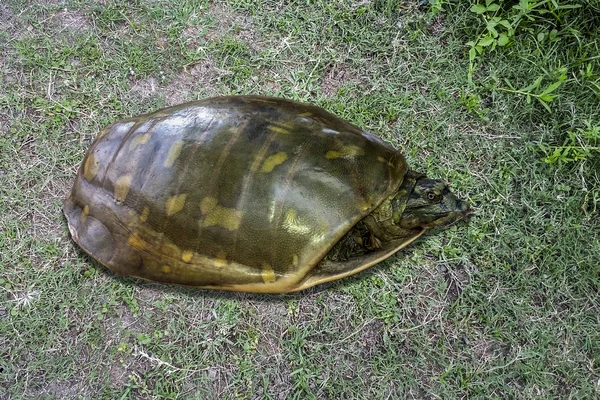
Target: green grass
(507,306)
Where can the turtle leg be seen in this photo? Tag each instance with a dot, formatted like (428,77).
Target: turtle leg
(329,270)
(358,241)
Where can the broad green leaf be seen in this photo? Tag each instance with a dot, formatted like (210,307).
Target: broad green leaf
(472,54)
(552,87)
(545,105)
(503,39)
(509,84)
(492,30)
(493,7)
(505,24)
(547,97)
(478,9)
(534,85)
(486,41)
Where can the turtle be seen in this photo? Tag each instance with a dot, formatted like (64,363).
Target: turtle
(248,193)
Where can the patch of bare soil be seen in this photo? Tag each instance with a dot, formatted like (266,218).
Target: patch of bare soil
(422,298)
(269,85)
(126,320)
(52,192)
(196,78)
(69,389)
(149,292)
(238,25)
(336,76)
(51,2)
(71,20)
(485,350)
(118,374)
(9,25)
(456,280)
(146,88)
(7,19)
(200,77)
(371,338)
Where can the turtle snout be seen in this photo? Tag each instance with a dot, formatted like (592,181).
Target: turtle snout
(464,208)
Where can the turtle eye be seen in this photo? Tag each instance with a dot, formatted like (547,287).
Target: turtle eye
(431,196)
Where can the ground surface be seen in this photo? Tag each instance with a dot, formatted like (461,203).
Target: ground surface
(506,306)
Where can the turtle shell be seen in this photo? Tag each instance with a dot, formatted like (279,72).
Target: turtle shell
(239,193)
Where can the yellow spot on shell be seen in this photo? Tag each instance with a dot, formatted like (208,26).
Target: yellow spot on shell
(175,203)
(291,217)
(349,151)
(145,214)
(122,186)
(135,241)
(295,260)
(174,152)
(138,140)
(294,224)
(367,202)
(305,114)
(380,159)
(319,231)
(170,250)
(365,206)
(186,256)
(273,161)
(90,168)
(221,260)
(268,275)
(84,213)
(228,218)
(214,214)
(208,204)
(280,128)
(166,268)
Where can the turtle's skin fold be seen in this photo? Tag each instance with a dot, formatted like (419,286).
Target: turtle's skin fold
(250,194)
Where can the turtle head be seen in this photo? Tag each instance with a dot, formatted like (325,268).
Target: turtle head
(426,203)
